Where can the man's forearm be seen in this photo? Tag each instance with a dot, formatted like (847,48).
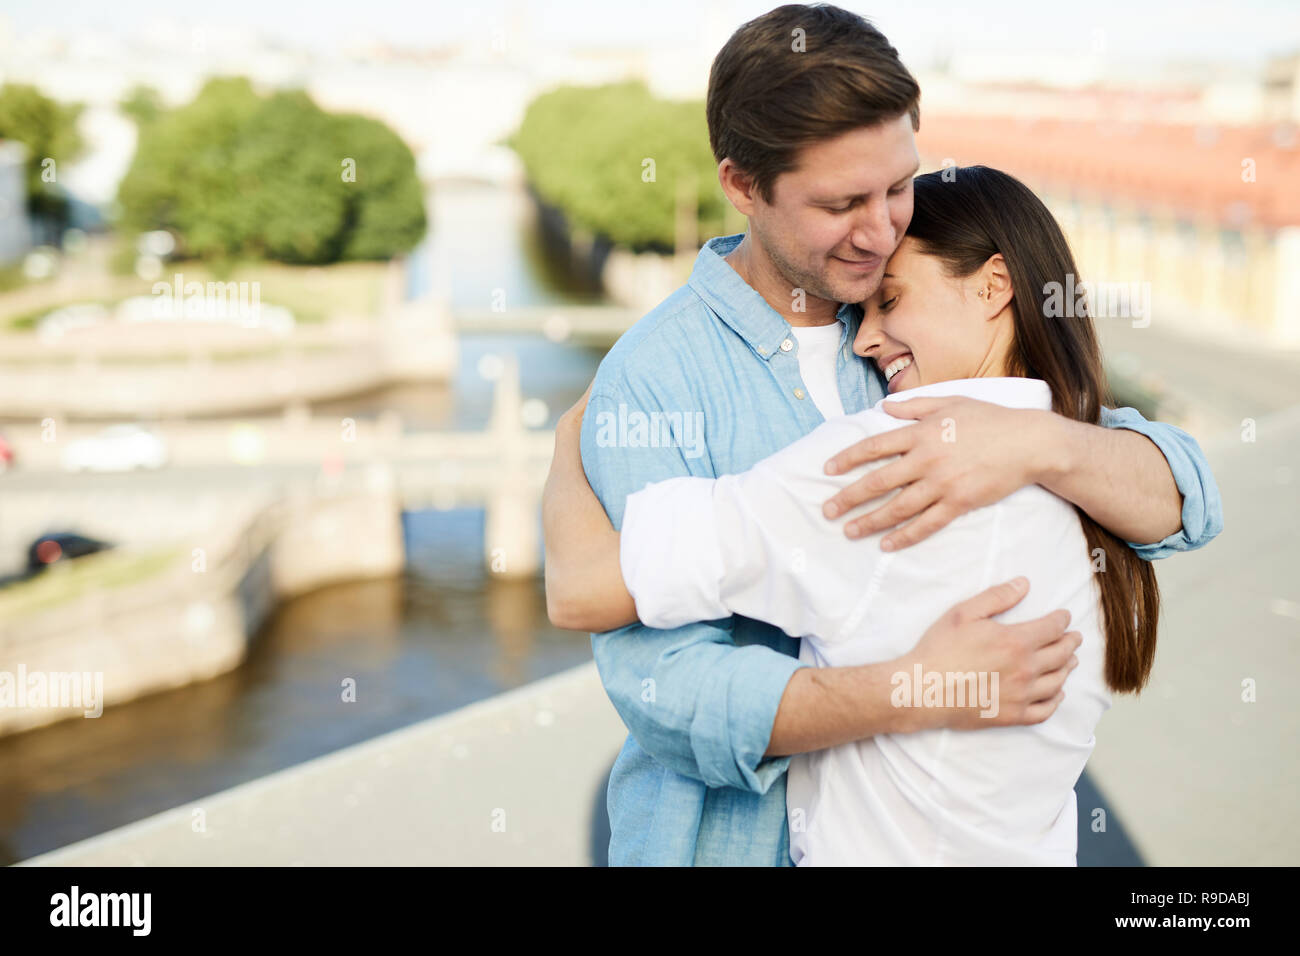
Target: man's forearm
(1118,476)
(828,706)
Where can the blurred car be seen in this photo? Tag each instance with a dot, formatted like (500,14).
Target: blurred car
(116,448)
(6,455)
(61,546)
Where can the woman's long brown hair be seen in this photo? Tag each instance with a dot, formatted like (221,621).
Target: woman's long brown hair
(963,216)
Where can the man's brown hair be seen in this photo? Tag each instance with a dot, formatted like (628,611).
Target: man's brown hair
(797,75)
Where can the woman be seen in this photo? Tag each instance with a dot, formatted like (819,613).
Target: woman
(962,310)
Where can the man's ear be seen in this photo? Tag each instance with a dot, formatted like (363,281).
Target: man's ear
(738,187)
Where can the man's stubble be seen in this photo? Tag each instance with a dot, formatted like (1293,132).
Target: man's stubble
(812,283)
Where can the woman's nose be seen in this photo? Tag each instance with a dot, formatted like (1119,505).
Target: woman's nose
(869,335)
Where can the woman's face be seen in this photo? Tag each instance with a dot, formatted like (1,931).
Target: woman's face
(923,326)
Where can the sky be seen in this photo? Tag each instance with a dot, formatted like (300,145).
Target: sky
(1157,31)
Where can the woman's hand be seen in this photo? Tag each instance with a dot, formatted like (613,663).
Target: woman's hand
(584,580)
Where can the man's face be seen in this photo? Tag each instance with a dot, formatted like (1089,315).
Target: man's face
(838,216)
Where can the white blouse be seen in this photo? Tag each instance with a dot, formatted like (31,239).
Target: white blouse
(757,544)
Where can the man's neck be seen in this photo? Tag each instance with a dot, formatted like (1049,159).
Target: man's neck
(757,270)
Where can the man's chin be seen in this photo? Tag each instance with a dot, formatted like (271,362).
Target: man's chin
(854,288)
(857,292)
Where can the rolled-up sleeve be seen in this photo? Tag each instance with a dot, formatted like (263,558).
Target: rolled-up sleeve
(1202,507)
(692,698)
(754,543)
(669,553)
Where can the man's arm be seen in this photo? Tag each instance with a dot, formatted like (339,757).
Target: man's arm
(827,706)
(1146,482)
(1201,511)
(1117,476)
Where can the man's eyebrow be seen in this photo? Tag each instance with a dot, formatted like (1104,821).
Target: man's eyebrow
(843,198)
(916,168)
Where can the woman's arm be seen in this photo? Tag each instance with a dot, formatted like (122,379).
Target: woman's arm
(703,548)
(584,583)
(754,543)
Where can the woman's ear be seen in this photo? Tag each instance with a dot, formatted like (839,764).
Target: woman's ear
(995,283)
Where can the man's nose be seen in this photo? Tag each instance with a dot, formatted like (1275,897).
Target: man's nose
(874,229)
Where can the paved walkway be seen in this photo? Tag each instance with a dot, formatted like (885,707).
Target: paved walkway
(1199,775)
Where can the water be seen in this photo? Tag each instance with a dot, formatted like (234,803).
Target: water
(484,244)
(441,636)
(470,263)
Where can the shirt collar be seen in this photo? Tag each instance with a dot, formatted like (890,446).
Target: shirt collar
(1009,392)
(739,305)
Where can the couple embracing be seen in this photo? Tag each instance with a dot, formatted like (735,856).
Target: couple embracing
(874,615)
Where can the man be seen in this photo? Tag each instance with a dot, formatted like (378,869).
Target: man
(811,118)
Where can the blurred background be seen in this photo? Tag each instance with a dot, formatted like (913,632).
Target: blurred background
(291,296)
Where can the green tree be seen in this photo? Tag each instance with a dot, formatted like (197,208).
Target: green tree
(585,150)
(386,193)
(143,104)
(238,175)
(49,131)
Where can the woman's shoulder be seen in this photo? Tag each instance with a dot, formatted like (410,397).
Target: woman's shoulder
(836,434)
(1013,392)
(802,463)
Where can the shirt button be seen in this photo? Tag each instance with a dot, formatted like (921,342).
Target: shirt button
(798,393)
(787,345)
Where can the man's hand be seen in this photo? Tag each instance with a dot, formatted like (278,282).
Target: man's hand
(962,454)
(1031,659)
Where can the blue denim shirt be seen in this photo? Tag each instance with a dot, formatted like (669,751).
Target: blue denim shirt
(708,384)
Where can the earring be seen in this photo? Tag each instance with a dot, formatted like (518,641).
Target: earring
(981,293)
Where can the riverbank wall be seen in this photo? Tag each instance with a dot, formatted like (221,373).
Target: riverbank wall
(194,619)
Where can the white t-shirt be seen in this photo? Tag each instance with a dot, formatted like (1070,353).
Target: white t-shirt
(757,544)
(819,349)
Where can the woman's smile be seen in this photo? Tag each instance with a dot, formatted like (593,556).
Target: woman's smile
(895,370)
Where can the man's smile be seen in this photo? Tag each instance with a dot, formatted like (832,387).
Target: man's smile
(861,266)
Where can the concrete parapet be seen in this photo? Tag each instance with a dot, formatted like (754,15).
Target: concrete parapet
(508,781)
